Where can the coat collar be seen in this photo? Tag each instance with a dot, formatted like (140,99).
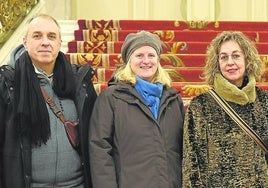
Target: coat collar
(127,92)
(232,93)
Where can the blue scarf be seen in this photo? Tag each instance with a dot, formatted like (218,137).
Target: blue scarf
(151,93)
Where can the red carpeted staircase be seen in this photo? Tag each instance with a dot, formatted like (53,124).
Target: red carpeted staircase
(98,43)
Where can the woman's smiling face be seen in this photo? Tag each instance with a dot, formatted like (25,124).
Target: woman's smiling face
(232,62)
(143,62)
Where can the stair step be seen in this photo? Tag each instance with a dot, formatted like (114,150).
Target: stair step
(177,47)
(67,32)
(172,25)
(177,74)
(105,60)
(186,89)
(165,35)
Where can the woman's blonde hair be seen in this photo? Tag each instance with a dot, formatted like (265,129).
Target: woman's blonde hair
(125,73)
(253,62)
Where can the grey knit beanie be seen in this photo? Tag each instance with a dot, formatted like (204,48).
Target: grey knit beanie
(134,41)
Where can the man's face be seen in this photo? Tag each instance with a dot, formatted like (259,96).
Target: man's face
(43,42)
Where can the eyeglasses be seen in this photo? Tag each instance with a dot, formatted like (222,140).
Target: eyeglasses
(236,56)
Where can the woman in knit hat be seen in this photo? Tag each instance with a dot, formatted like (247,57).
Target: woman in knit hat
(136,126)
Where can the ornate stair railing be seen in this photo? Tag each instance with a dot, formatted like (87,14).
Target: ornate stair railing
(11,15)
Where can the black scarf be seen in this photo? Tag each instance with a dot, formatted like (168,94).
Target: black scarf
(31,114)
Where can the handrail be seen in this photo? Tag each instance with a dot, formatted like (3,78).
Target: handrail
(11,15)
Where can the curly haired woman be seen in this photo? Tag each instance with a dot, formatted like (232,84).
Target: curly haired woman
(216,151)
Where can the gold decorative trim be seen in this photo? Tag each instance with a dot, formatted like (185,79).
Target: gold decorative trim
(217,24)
(11,15)
(177,23)
(193,90)
(200,24)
